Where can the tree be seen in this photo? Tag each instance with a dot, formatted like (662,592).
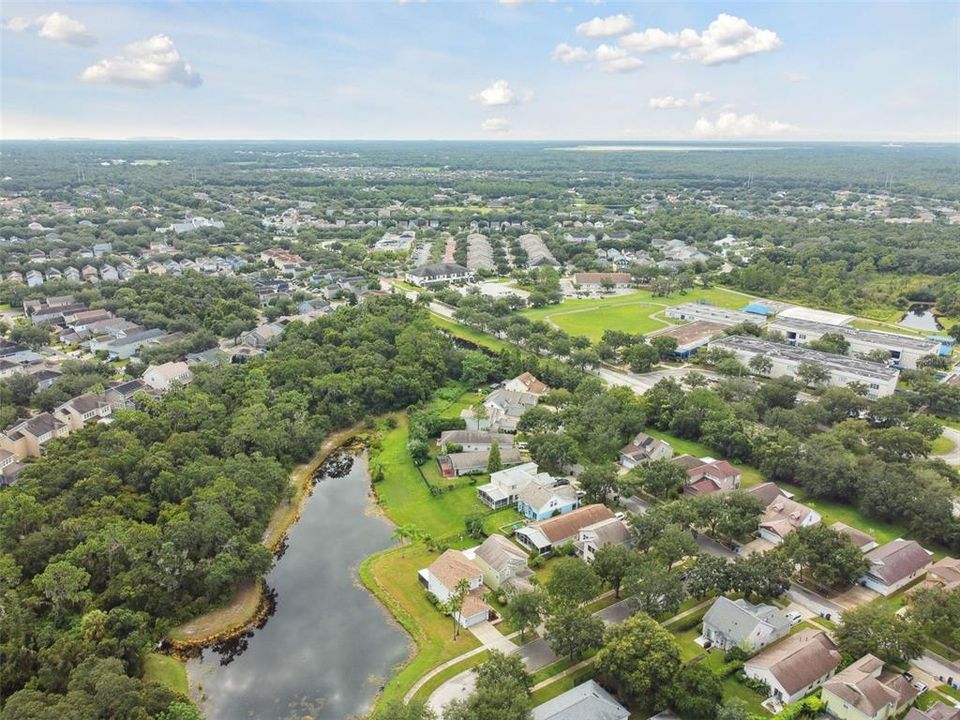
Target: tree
(674,544)
(613,563)
(829,557)
(553,451)
(502,692)
(876,629)
(762,575)
(834,343)
(696,692)
(572,630)
(63,585)
(454,604)
(710,573)
(641,358)
(733,709)
(412,711)
(573,582)
(598,482)
(640,658)
(402,534)
(812,373)
(654,589)
(476,368)
(761,364)
(538,419)
(665,345)
(524,610)
(661,478)
(494,463)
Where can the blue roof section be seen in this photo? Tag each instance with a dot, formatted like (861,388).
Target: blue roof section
(758,309)
(945,339)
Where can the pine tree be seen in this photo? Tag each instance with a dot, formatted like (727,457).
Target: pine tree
(493,460)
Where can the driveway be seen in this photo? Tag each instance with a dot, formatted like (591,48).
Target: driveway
(459,686)
(616,613)
(491,638)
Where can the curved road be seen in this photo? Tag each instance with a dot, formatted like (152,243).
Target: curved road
(951,457)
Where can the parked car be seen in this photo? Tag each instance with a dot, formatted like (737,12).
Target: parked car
(794,617)
(921,686)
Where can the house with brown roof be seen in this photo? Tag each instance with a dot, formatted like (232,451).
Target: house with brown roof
(712,477)
(895,564)
(80,410)
(937,711)
(474,462)
(859,538)
(795,666)
(642,449)
(162,377)
(944,574)
(543,536)
(783,516)
(526,383)
(445,573)
(475,440)
(28,438)
(864,691)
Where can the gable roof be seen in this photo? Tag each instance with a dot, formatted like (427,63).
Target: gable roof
(784,515)
(766,493)
(587,701)
(531,383)
(937,711)
(896,560)
(865,687)
(498,552)
(452,567)
(537,496)
(737,619)
(565,526)
(857,537)
(799,660)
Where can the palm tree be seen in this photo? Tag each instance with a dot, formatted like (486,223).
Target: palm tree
(402,534)
(454,604)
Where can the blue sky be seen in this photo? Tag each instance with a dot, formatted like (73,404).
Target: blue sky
(447,70)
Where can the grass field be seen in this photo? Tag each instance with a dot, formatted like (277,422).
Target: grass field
(167,671)
(631,312)
(392,577)
(942,445)
(468,334)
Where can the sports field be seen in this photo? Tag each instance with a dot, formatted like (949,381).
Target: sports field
(632,312)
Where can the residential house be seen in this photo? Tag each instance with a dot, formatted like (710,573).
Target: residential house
(536,502)
(937,711)
(502,563)
(263,335)
(526,383)
(944,574)
(587,701)
(28,438)
(71,274)
(45,377)
(108,273)
(120,394)
(34,278)
(126,346)
(609,531)
(445,573)
(9,468)
(162,377)
(644,448)
(783,516)
(738,623)
(895,564)
(504,408)
(543,536)
(712,476)
(102,248)
(80,410)
(474,462)
(864,691)
(857,537)
(474,440)
(505,485)
(795,666)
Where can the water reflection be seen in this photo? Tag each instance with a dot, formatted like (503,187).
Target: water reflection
(920,317)
(323,637)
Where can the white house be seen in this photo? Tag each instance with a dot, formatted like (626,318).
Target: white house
(162,377)
(795,666)
(445,573)
(738,623)
(644,448)
(896,564)
(505,485)
(609,531)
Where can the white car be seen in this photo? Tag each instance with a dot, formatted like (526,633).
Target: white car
(921,686)
(794,617)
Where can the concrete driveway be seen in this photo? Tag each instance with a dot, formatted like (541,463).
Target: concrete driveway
(457,687)
(491,638)
(537,654)
(616,613)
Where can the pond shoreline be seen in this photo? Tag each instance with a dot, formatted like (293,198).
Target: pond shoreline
(249,604)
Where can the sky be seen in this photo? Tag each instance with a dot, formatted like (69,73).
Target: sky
(776,71)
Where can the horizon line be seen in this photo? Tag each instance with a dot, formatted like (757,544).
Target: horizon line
(710,141)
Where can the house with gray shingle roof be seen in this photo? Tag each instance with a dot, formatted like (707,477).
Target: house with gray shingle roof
(587,701)
(738,623)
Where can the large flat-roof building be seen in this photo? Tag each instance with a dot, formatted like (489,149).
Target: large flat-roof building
(880,380)
(904,350)
(711,313)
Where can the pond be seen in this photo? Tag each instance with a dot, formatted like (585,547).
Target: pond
(327,645)
(921,317)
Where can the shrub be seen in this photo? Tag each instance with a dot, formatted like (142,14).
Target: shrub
(735,653)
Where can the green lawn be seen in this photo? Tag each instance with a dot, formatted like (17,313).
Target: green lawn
(426,690)
(942,445)
(392,577)
(865,324)
(406,500)
(167,671)
(630,312)
(469,334)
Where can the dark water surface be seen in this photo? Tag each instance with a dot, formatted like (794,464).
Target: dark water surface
(328,644)
(919,317)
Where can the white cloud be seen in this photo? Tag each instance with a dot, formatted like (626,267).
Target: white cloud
(616,60)
(605,27)
(669,102)
(727,39)
(569,53)
(795,77)
(497,94)
(55,26)
(731,125)
(146,63)
(495,125)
